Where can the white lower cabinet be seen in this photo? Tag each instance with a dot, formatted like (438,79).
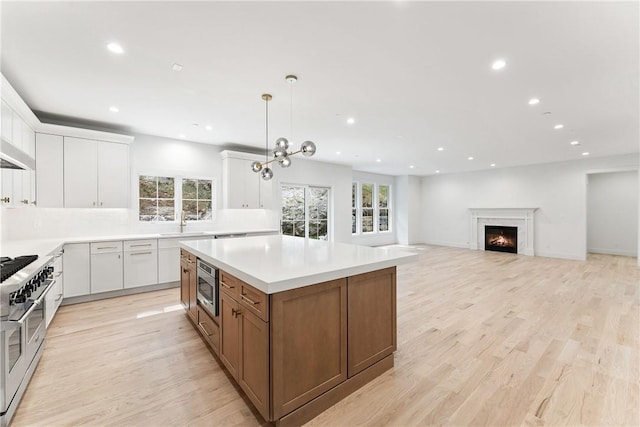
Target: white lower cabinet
(140,263)
(77,264)
(168,260)
(54,297)
(106,267)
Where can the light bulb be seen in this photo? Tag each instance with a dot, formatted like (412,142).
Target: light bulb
(308,148)
(256,166)
(266,174)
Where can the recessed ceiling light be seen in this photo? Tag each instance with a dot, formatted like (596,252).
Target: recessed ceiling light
(176,67)
(574,143)
(558,126)
(378,160)
(470,158)
(196,124)
(182,135)
(351,120)
(338,153)
(493,165)
(586,153)
(411,166)
(534,101)
(114,109)
(437,171)
(208,127)
(498,64)
(115,48)
(440,148)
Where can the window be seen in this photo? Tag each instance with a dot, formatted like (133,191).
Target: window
(354,209)
(370,208)
(161,197)
(383,208)
(305,211)
(196,199)
(367,208)
(157,198)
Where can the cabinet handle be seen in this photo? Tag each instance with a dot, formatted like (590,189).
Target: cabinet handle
(94,203)
(235,312)
(59,274)
(6,199)
(25,202)
(107,247)
(141,253)
(59,297)
(141,244)
(250,301)
(34,203)
(100,203)
(204,329)
(184,270)
(226,286)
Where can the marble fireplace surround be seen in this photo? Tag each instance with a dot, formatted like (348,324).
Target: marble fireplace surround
(523,218)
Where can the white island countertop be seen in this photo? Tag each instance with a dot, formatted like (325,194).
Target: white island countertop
(279,263)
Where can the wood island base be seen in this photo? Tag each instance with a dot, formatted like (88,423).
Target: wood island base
(297,352)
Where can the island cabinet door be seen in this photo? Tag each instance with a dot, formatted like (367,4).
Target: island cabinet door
(308,344)
(253,369)
(229,334)
(193,289)
(184,282)
(372,318)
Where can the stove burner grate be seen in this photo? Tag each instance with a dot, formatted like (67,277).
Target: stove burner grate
(9,267)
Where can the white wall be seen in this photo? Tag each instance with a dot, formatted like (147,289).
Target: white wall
(336,177)
(612,213)
(408,205)
(558,190)
(376,239)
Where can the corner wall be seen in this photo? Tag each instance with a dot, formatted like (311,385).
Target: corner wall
(558,190)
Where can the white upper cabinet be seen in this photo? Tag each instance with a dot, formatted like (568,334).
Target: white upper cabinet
(113,175)
(241,187)
(96,174)
(28,140)
(49,171)
(7,122)
(80,173)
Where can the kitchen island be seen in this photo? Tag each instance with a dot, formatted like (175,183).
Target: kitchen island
(301,323)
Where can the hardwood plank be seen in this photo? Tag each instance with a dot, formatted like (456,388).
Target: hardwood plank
(483,339)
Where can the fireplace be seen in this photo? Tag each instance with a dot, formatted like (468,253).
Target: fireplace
(501,238)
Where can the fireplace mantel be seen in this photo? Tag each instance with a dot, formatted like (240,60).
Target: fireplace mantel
(523,218)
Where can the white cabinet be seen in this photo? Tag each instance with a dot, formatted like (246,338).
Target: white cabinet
(96,174)
(140,263)
(7,122)
(49,171)
(28,140)
(106,267)
(80,173)
(76,264)
(241,187)
(54,296)
(16,134)
(168,260)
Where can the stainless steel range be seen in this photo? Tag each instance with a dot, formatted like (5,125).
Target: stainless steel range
(24,283)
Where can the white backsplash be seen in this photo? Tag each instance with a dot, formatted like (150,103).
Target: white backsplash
(43,223)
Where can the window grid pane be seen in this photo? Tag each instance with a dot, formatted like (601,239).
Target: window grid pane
(156,198)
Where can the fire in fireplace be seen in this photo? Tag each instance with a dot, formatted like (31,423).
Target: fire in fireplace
(501,238)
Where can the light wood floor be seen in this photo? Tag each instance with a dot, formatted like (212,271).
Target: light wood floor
(483,339)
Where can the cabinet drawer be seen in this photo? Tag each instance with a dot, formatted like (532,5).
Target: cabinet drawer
(229,284)
(139,245)
(209,329)
(254,300)
(106,247)
(190,258)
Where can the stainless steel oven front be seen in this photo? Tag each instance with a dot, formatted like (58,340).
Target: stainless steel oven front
(208,287)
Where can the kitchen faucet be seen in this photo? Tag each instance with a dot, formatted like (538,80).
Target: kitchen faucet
(183,222)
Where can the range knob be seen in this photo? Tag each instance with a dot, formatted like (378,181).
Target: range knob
(20,298)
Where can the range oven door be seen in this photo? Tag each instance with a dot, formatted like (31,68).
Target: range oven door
(13,361)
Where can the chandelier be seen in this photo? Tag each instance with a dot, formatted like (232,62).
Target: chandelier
(280,152)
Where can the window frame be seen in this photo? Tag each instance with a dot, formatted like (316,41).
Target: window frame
(376,208)
(177,197)
(306,188)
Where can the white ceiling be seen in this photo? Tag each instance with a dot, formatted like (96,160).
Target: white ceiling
(414,75)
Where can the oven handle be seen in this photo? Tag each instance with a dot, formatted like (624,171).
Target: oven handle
(35,305)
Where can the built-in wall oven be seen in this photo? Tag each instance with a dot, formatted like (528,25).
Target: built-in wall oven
(208,287)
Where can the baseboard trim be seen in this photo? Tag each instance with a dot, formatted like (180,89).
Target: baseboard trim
(448,244)
(561,255)
(120,292)
(605,251)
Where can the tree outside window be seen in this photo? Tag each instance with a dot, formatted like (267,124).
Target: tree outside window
(197,199)
(383,208)
(157,198)
(305,212)
(367,208)
(293,211)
